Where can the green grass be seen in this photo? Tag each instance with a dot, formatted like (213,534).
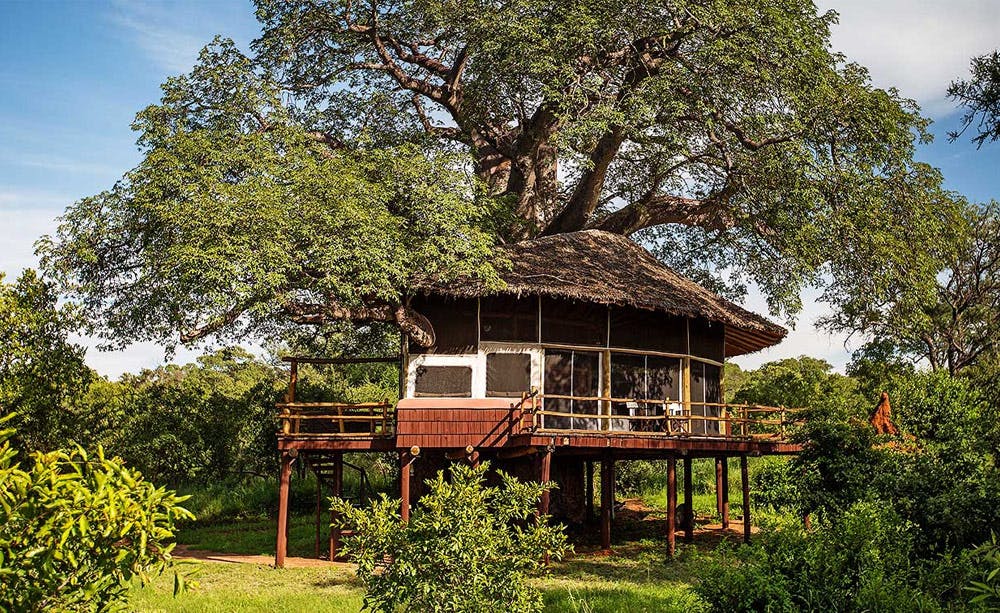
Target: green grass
(637,577)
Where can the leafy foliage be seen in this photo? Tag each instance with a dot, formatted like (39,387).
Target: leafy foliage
(41,371)
(985,590)
(980,95)
(861,561)
(467,547)
(238,221)
(75,529)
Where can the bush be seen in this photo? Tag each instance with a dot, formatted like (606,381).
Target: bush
(858,562)
(74,530)
(467,547)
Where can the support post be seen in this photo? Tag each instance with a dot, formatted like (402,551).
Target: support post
(745,479)
(544,476)
(590,491)
(718,486)
(319,497)
(689,502)
(725,493)
(284,478)
(671,506)
(338,491)
(607,500)
(405,460)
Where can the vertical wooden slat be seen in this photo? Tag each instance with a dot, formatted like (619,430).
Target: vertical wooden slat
(590,490)
(718,486)
(404,485)
(319,497)
(338,491)
(725,493)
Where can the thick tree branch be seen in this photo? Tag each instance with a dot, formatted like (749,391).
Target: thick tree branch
(413,324)
(666,209)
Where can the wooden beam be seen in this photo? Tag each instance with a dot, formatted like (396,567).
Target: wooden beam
(319,497)
(671,506)
(725,493)
(545,475)
(590,491)
(405,460)
(689,502)
(284,479)
(607,500)
(338,491)
(718,485)
(745,479)
(376,360)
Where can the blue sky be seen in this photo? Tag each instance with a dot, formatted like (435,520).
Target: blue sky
(73,75)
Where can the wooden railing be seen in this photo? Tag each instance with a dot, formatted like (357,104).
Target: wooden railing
(672,418)
(333,418)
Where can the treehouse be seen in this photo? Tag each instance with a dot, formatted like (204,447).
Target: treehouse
(593,351)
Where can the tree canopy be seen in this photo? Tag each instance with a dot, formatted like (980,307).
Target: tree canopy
(363,145)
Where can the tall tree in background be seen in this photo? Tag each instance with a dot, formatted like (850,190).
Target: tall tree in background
(41,371)
(980,95)
(366,144)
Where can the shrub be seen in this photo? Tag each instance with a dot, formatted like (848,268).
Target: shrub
(74,530)
(858,562)
(467,546)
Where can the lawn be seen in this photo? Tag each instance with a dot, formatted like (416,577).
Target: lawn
(637,577)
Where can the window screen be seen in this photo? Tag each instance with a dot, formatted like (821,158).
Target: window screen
(454,324)
(508,375)
(708,339)
(572,373)
(443,382)
(509,319)
(705,387)
(642,378)
(574,323)
(639,329)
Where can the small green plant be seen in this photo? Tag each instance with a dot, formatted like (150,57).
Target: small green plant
(75,530)
(986,591)
(467,546)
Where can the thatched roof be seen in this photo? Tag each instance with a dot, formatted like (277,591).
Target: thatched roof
(605,268)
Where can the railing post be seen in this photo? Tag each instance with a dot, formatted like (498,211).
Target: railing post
(293,379)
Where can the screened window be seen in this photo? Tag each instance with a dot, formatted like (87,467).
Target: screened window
(443,382)
(642,379)
(567,322)
(508,375)
(706,387)
(639,329)
(708,339)
(509,319)
(454,323)
(572,373)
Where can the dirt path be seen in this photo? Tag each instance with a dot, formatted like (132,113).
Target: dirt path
(183,553)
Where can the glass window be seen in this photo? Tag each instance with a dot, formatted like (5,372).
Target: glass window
(443,382)
(638,380)
(577,374)
(706,386)
(568,322)
(509,319)
(508,375)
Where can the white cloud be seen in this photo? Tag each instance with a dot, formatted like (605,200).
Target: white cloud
(155,28)
(918,46)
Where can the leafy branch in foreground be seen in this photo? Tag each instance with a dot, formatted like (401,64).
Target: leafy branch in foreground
(467,546)
(76,529)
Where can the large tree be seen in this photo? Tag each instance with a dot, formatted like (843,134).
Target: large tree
(726,135)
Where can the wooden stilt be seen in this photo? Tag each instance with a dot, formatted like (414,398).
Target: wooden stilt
(671,506)
(405,459)
(590,491)
(725,493)
(718,486)
(338,491)
(689,501)
(544,476)
(284,479)
(319,497)
(607,500)
(745,479)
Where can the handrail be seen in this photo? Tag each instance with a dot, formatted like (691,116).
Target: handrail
(678,420)
(374,417)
